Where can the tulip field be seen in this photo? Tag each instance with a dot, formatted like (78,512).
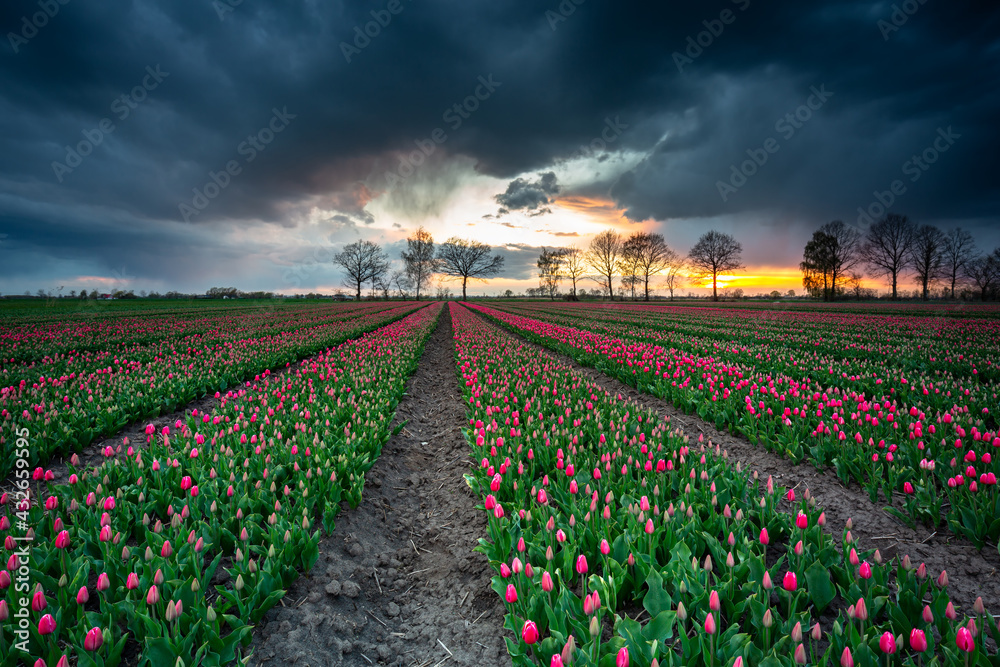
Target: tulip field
(617,542)
(70,384)
(171,550)
(614,538)
(905,407)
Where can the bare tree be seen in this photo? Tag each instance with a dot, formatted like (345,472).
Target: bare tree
(927,257)
(844,252)
(715,253)
(362,261)
(574,266)
(401,281)
(419,258)
(650,255)
(674,275)
(959,250)
(604,256)
(550,270)
(984,272)
(465,260)
(887,248)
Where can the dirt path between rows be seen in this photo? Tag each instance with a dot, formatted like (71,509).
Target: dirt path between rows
(972,573)
(398,583)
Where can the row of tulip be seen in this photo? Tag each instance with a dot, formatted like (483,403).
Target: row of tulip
(917,441)
(176,547)
(34,345)
(93,394)
(962,347)
(616,541)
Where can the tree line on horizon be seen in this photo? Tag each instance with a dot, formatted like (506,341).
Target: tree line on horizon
(838,256)
(366,262)
(636,260)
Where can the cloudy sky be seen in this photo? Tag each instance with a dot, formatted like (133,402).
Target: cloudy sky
(162,145)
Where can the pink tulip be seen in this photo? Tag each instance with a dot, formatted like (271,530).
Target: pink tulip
(103,583)
(621,660)
(46,625)
(153,596)
(790,583)
(166,550)
(556,661)
(581,564)
(62,540)
(918,640)
(713,601)
(4,611)
(802,521)
(511,594)
(764,539)
(93,640)
(132,582)
(964,640)
(4,580)
(38,601)
(865,570)
(547,583)
(529,633)
(83,595)
(887,643)
(710,624)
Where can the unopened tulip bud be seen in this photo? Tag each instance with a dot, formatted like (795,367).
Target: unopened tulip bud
(800,655)
(846,660)
(797,633)
(768,619)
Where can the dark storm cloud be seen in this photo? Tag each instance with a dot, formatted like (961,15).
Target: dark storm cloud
(529,196)
(692,112)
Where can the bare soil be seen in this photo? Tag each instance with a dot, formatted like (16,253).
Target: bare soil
(972,573)
(398,582)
